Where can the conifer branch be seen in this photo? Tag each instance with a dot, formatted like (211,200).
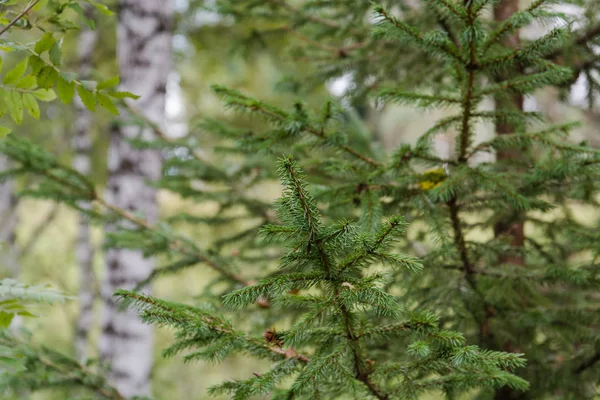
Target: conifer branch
(175,244)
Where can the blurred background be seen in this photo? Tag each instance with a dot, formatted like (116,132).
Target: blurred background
(42,249)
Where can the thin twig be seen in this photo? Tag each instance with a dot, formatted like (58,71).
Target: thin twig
(19,16)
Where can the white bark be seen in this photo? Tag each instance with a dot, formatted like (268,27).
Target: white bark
(84,253)
(8,221)
(144,53)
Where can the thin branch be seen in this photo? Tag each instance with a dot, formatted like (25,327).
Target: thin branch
(19,16)
(39,230)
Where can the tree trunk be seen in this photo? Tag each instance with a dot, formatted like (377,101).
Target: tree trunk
(144,54)
(84,252)
(9,262)
(512,226)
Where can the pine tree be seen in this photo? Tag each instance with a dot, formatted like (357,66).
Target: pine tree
(348,310)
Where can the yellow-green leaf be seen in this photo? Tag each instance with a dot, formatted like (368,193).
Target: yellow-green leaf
(14,74)
(108,83)
(28,82)
(4,131)
(31,105)
(5,319)
(107,103)
(45,94)
(14,101)
(123,95)
(0,63)
(87,97)
(105,10)
(65,90)
(45,43)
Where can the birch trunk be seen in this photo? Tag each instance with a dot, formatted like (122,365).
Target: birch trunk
(8,222)
(144,53)
(84,253)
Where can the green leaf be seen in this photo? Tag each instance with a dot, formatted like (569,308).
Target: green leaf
(36,64)
(123,95)
(47,77)
(28,82)
(108,83)
(0,63)
(4,131)
(31,105)
(45,43)
(107,103)
(14,74)
(45,94)
(14,101)
(55,54)
(103,9)
(5,319)
(66,90)
(87,97)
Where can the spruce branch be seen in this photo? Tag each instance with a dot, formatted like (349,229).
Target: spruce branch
(233,98)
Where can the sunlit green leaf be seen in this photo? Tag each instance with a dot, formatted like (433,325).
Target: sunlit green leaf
(123,95)
(65,90)
(45,43)
(108,83)
(45,94)
(87,97)
(4,131)
(14,101)
(31,105)
(17,72)
(107,103)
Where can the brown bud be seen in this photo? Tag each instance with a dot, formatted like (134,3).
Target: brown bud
(263,302)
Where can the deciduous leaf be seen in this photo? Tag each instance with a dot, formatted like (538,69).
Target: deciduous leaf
(47,77)
(14,101)
(45,94)
(66,90)
(105,10)
(107,103)
(45,43)
(14,74)
(108,83)
(55,54)
(5,319)
(36,64)
(123,95)
(4,131)
(28,82)
(87,97)
(31,105)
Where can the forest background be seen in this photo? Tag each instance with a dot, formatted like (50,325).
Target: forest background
(204,54)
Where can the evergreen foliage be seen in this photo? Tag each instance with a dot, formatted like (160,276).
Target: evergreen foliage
(356,310)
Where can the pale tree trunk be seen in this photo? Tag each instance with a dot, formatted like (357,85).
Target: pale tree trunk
(84,252)
(144,54)
(9,257)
